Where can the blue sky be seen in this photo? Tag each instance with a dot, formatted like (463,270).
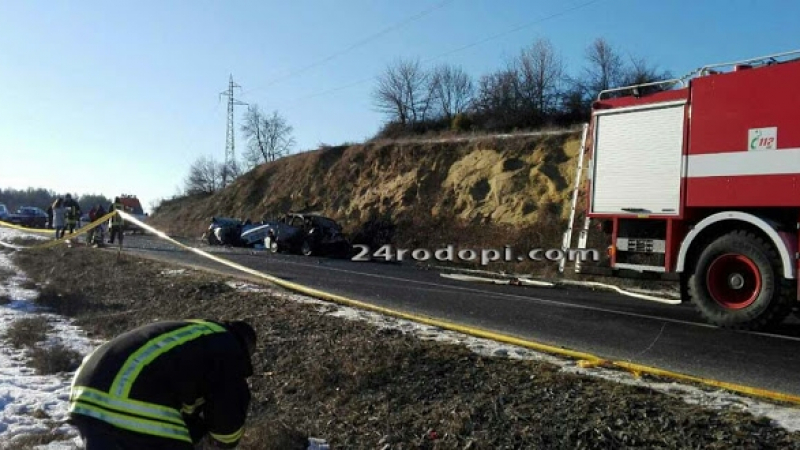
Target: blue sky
(121,97)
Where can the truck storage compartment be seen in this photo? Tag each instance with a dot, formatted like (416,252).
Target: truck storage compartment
(638,160)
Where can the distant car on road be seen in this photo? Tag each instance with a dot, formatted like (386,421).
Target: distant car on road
(29,216)
(3,213)
(308,234)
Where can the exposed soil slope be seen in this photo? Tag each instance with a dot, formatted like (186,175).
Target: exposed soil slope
(491,191)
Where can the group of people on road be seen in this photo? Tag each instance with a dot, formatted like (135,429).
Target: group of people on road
(64,216)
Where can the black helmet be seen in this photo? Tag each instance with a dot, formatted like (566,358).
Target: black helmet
(245,333)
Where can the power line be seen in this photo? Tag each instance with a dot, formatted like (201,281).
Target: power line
(457,50)
(355,45)
(513,30)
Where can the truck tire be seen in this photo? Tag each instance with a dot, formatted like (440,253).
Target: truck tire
(737,283)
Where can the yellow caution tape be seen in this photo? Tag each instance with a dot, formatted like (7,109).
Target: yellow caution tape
(52,243)
(26,229)
(584,359)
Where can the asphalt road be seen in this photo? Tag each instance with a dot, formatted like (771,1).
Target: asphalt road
(609,325)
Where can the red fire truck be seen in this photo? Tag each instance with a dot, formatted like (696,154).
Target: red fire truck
(699,177)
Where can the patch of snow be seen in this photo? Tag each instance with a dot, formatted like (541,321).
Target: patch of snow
(32,403)
(245,287)
(172,272)
(6,234)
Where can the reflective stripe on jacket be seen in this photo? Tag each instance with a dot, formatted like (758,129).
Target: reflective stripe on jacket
(72,215)
(157,379)
(116,219)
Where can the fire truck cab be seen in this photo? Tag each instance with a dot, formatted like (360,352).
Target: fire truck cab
(700,177)
(134,207)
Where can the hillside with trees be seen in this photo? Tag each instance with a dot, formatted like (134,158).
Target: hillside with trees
(532,91)
(456,161)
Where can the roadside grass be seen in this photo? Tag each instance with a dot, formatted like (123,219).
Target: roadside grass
(26,241)
(363,387)
(60,301)
(268,434)
(28,331)
(36,441)
(54,359)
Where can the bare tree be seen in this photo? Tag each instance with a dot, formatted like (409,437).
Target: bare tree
(540,72)
(231,171)
(606,68)
(451,90)
(269,137)
(497,100)
(205,176)
(253,132)
(640,71)
(402,92)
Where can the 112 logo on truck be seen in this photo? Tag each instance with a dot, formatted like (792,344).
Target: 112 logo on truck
(763,138)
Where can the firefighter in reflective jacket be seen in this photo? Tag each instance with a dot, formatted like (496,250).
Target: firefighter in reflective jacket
(167,385)
(73,213)
(117,224)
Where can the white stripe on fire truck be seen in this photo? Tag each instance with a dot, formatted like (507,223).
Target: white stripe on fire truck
(762,162)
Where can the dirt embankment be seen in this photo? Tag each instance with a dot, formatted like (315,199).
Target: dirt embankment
(361,387)
(491,192)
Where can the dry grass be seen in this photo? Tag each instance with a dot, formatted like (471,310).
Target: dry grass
(26,241)
(35,441)
(28,331)
(361,387)
(63,302)
(54,359)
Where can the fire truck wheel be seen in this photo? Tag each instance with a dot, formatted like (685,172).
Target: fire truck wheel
(737,283)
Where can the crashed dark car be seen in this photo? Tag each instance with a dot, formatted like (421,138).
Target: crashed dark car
(224,231)
(307,234)
(29,216)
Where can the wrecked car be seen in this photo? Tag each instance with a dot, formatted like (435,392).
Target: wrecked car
(307,234)
(225,231)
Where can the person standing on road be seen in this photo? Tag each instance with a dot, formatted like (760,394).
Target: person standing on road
(50,217)
(166,385)
(92,217)
(117,224)
(59,217)
(73,212)
(100,231)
